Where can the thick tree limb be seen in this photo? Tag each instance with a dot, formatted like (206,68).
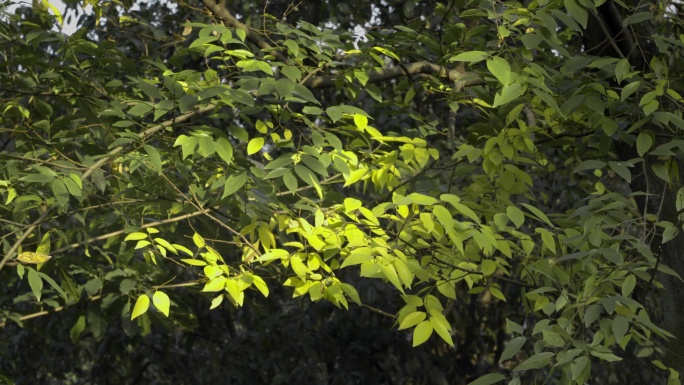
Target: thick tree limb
(454,75)
(459,77)
(223,14)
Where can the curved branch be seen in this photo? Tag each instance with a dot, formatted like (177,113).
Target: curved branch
(458,76)
(21,239)
(222,13)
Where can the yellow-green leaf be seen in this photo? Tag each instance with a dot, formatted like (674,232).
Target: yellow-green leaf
(135,236)
(255,145)
(161,302)
(260,284)
(141,306)
(412,319)
(422,332)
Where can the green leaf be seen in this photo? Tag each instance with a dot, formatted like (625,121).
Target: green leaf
(44,245)
(497,294)
(620,326)
(577,12)
(441,326)
(636,18)
(447,289)
(204,40)
(194,262)
(54,284)
(255,145)
(198,240)
(35,282)
(72,187)
(141,306)
(444,217)
(515,215)
(487,379)
(234,183)
(552,338)
(78,328)
(360,121)
(465,210)
(650,107)
(628,285)
(60,190)
(512,348)
(188,144)
(422,332)
(155,158)
(621,70)
(578,366)
(140,109)
(312,110)
(161,302)
(305,94)
(356,258)
(206,146)
(470,57)
(391,274)
(412,319)
(37,178)
(187,102)
(610,357)
(216,302)
(537,361)
(508,94)
(260,284)
(500,68)
(290,182)
(538,213)
(224,150)
(643,143)
(284,87)
(292,73)
(242,97)
(661,171)
(11,194)
(629,89)
(335,113)
(135,236)
(150,90)
(621,170)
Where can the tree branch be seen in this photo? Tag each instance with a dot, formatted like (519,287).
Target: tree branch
(222,13)
(459,77)
(115,233)
(145,134)
(378,311)
(99,164)
(21,239)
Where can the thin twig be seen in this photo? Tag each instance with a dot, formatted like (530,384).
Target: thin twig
(378,311)
(197,205)
(145,134)
(21,239)
(222,13)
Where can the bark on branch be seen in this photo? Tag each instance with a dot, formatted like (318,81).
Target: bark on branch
(423,67)
(459,77)
(222,13)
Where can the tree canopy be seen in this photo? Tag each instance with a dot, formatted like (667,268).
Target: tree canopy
(404,192)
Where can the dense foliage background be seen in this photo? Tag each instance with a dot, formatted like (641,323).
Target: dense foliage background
(392,192)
